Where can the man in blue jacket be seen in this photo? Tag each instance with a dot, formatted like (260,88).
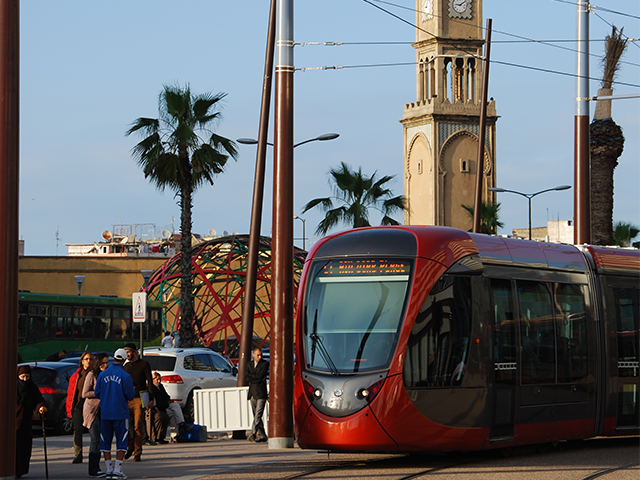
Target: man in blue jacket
(114,388)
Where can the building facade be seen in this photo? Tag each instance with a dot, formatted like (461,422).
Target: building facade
(441,128)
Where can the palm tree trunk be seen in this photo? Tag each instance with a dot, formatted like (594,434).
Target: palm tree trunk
(607,143)
(187,335)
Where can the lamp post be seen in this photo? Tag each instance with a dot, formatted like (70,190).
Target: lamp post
(529,196)
(320,138)
(303,231)
(79,280)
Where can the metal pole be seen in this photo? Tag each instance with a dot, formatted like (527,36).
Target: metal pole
(477,203)
(529,217)
(581,201)
(9,181)
(248,310)
(281,395)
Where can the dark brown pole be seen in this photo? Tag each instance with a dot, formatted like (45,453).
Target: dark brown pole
(248,310)
(582,192)
(582,187)
(281,394)
(477,203)
(9,169)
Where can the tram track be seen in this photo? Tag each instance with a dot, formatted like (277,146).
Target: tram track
(604,473)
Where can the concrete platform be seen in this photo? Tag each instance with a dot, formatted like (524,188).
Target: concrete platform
(184,461)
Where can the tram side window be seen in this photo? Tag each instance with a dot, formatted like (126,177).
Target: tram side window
(627,311)
(439,341)
(61,322)
(536,333)
(628,326)
(571,329)
(504,325)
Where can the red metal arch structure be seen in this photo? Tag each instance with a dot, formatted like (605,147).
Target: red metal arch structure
(219,273)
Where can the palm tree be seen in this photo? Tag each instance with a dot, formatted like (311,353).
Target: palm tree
(489,222)
(624,232)
(607,143)
(172,154)
(356,194)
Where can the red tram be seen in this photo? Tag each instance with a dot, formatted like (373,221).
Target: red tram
(430,338)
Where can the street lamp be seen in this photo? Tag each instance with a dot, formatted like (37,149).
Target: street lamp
(320,138)
(529,196)
(303,230)
(79,280)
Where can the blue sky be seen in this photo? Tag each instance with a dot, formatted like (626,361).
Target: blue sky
(89,69)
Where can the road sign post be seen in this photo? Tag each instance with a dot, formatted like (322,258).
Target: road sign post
(139,300)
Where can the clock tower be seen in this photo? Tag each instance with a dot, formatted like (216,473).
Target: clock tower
(440,129)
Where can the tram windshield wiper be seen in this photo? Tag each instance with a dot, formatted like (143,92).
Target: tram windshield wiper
(318,344)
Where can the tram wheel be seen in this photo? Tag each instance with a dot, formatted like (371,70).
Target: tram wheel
(507,452)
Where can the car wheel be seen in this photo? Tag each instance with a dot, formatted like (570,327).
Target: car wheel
(64,424)
(189,410)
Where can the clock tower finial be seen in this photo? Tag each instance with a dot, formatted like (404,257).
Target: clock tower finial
(441,126)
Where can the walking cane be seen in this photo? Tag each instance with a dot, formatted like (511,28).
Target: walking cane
(44,441)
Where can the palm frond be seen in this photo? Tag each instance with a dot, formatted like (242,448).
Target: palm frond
(614,47)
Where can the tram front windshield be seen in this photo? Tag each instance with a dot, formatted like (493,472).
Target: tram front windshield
(353,312)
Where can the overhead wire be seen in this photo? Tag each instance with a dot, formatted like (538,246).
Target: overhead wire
(521,38)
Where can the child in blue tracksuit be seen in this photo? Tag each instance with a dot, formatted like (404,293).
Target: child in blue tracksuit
(114,388)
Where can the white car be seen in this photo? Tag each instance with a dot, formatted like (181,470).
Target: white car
(184,370)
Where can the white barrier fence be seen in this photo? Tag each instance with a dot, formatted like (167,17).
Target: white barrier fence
(225,409)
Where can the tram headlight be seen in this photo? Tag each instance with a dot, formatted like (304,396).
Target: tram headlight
(313,393)
(371,392)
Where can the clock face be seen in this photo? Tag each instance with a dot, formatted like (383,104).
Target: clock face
(460,8)
(459,5)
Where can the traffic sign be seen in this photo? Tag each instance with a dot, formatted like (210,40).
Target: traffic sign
(139,307)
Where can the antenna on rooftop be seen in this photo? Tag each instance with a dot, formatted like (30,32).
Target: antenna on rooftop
(212,232)
(166,234)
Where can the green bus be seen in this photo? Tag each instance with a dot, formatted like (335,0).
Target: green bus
(48,323)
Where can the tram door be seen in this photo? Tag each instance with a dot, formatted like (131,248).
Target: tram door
(627,310)
(504,359)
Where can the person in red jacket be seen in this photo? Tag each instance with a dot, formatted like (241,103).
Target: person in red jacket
(75,403)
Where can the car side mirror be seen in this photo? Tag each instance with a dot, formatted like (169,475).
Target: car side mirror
(234,371)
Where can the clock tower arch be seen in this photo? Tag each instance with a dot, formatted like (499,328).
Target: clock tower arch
(441,128)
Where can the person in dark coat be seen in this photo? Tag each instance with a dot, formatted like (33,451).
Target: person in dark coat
(256,376)
(29,399)
(56,356)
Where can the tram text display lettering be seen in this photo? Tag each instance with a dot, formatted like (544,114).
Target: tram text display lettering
(365,267)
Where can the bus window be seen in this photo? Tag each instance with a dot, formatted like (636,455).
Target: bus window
(82,322)
(536,333)
(101,323)
(37,323)
(121,324)
(571,330)
(61,322)
(155,324)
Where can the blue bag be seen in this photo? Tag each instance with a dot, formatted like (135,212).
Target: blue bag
(191,432)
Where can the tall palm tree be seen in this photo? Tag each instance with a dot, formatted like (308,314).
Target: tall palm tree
(607,143)
(624,232)
(180,151)
(489,222)
(356,194)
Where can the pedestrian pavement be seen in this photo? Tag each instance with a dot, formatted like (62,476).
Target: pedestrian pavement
(181,461)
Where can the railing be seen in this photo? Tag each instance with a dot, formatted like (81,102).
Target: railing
(225,409)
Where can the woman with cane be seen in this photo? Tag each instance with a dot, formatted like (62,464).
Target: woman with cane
(29,399)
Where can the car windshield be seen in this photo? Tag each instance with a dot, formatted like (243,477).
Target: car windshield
(161,362)
(352,314)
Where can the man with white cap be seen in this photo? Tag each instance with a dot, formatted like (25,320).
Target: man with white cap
(114,388)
